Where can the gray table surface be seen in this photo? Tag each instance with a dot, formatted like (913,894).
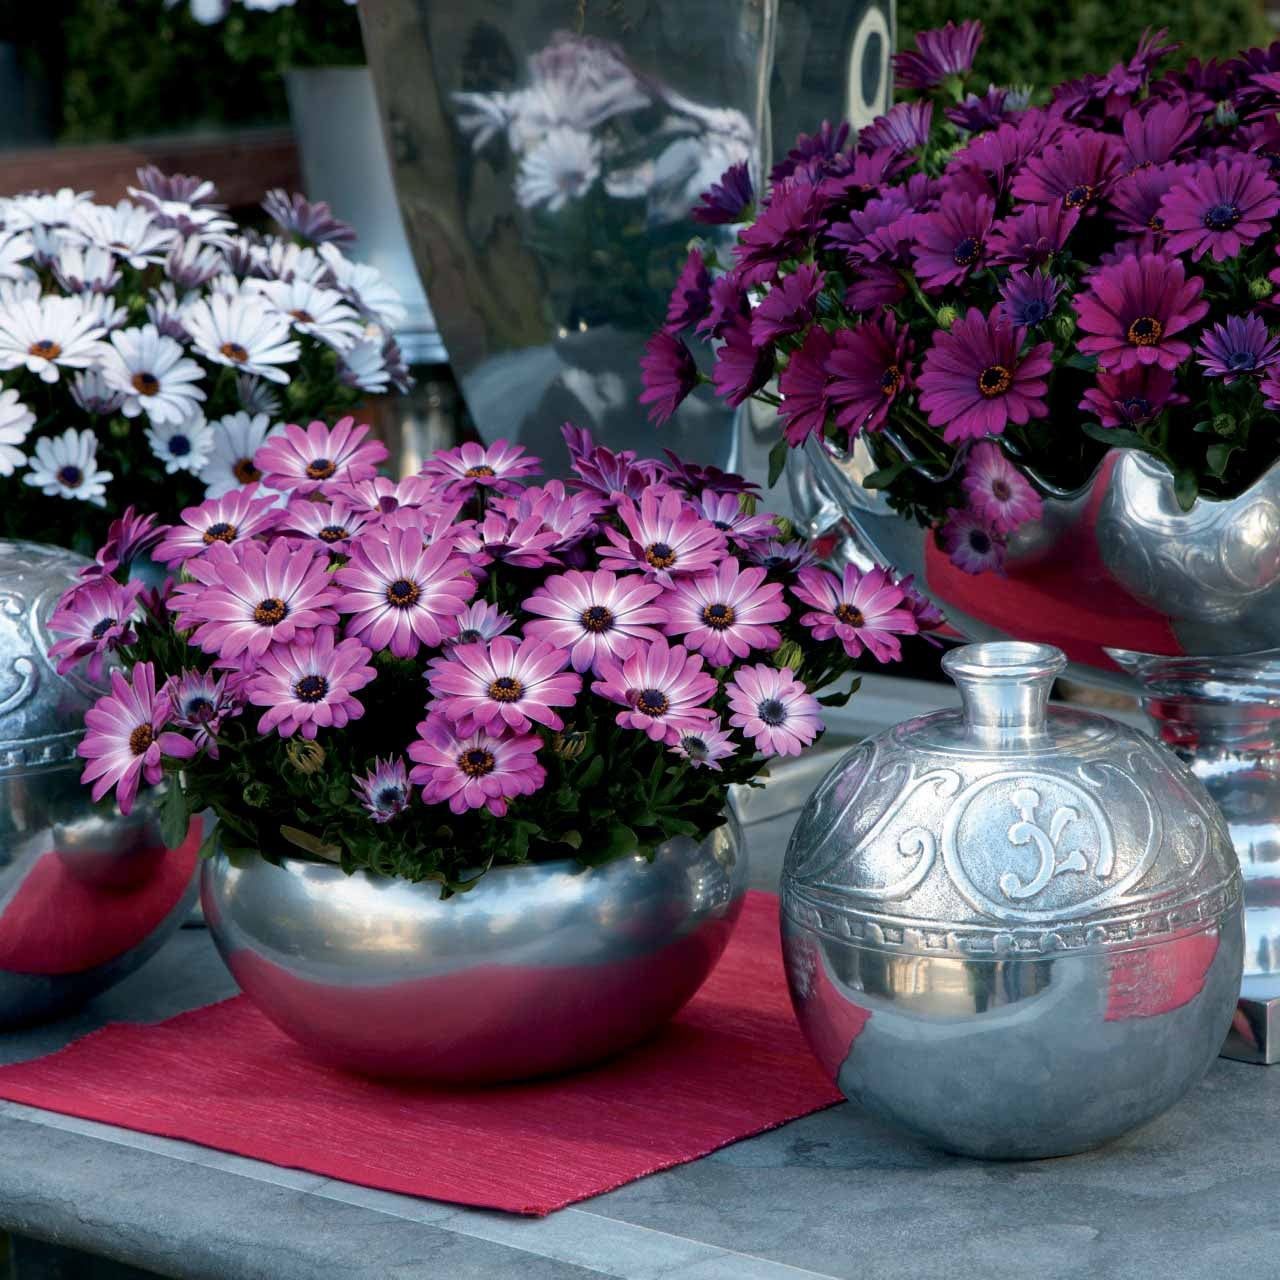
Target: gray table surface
(834,1195)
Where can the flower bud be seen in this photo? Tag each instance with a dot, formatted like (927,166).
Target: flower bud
(1261,287)
(120,428)
(786,530)
(788,654)
(1224,113)
(306,757)
(257,795)
(1064,326)
(947,316)
(1224,425)
(569,746)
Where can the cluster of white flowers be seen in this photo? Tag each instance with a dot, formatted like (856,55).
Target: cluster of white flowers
(158,319)
(210,12)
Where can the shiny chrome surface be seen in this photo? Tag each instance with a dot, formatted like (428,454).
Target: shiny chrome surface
(538,969)
(85,895)
(1014,931)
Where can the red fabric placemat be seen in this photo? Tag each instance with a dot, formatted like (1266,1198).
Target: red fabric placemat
(732,1064)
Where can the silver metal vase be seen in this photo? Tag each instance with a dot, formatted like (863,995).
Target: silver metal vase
(1013,930)
(538,969)
(1181,607)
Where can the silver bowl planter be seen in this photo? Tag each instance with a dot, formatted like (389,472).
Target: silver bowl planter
(538,969)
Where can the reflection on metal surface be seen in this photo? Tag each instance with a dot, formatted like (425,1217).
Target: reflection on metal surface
(538,969)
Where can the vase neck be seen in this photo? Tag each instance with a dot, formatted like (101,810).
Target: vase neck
(1004,689)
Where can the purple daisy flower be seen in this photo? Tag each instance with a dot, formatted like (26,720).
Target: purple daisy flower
(1219,209)
(950,243)
(786,229)
(997,490)
(124,742)
(248,597)
(774,710)
(129,536)
(1156,133)
(803,384)
(974,381)
(333,524)
(310,220)
(384,790)
(526,543)
(812,153)
(1136,199)
(698,477)
(239,514)
(927,614)
(1132,396)
(477,623)
(477,769)
(972,543)
(1133,308)
(664,537)
(877,285)
(1129,77)
(669,375)
(784,559)
(726,305)
(727,201)
(691,296)
(728,515)
(1000,154)
(905,127)
(867,369)
(947,51)
(705,746)
(310,685)
(1027,298)
(595,615)
(614,475)
(94,619)
(1033,236)
(973,114)
(503,682)
(742,367)
(501,466)
(1240,347)
(787,307)
(304,460)
(202,701)
(1078,171)
(861,610)
(400,595)
(382,495)
(726,614)
(570,516)
(663,687)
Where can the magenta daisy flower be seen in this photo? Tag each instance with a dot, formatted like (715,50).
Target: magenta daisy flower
(384,790)
(783,559)
(947,51)
(524,542)
(1240,347)
(237,515)
(304,460)
(248,597)
(1131,397)
(973,114)
(663,687)
(202,701)
(502,467)
(477,623)
(664,537)
(595,615)
(125,743)
(972,542)
(613,475)
(94,619)
(332,524)
(480,769)
(1027,298)
(129,536)
(1136,200)
(705,478)
(669,374)
(726,614)
(867,368)
(1077,171)
(975,382)
(1219,209)
(570,516)
(705,746)
(997,490)
(310,685)
(742,367)
(951,242)
(733,520)
(1155,134)
(927,614)
(728,201)
(787,307)
(905,127)
(1033,236)
(381,495)
(785,229)
(876,285)
(726,305)
(400,595)
(861,610)
(691,295)
(1133,308)
(803,385)
(504,682)
(774,710)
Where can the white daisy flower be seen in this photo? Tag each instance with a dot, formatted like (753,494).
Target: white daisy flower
(182,446)
(47,209)
(104,309)
(242,334)
(66,466)
(14,291)
(15,250)
(192,263)
(284,260)
(85,269)
(322,313)
(256,396)
(560,168)
(362,366)
(49,334)
(365,287)
(47,244)
(16,421)
(168,312)
(236,438)
(155,375)
(90,391)
(127,229)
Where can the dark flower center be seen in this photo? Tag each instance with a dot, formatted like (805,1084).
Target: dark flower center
(244,471)
(980,541)
(772,712)
(402,593)
(966,252)
(311,689)
(1032,311)
(333,533)
(389,798)
(1222,217)
(849,614)
(1135,408)
(1155,222)
(179,446)
(45,348)
(219,531)
(304,317)
(1079,195)
(141,738)
(234,351)
(653,702)
(72,477)
(270,611)
(477,473)
(723,525)
(101,627)
(1241,361)
(597,618)
(476,762)
(146,384)
(660,555)
(891,380)
(199,710)
(1001,490)
(718,616)
(320,468)
(1145,331)
(506,689)
(469,636)
(994,380)
(694,747)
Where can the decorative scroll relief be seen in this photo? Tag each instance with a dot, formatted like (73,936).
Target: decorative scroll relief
(1053,845)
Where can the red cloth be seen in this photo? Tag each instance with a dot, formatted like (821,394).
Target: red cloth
(732,1064)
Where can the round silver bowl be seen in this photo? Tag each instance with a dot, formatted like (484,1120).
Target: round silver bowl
(538,969)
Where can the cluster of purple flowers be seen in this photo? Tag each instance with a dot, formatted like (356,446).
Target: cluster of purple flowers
(985,290)
(648,594)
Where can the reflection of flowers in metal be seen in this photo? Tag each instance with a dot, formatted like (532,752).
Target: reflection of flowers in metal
(560,168)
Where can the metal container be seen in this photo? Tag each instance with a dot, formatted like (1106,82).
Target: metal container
(538,969)
(1013,930)
(86,895)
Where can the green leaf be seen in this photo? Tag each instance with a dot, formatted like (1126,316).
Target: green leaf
(313,845)
(885,476)
(592,773)
(174,819)
(1120,437)
(212,838)
(621,840)
(778,460)
(1218,457)
(1186,488)
(1077,361)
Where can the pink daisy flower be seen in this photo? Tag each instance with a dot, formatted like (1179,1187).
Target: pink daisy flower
(1033,235)
(595,615)
(951,242)
(398,594)
(384,790)
(504,682)
(380,496)
(477,623)
(201,701)
(501,467)
(332,524)
(667,537)
(246,598)
(124,742)
(431,524)
(570,516)
(482,769)
(1132,397)
(310,685)
(862,610)
(705,746)
(867,369)
(304,460)
(526,543)
(727,513)
(774,710)
(804,384)
(612,474)
(129,536)
(1219,209)
(663,687)
(1078,171)
(997,490)
(235,516)
(726,614)
(783,559)
(972,542)
(94,620)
